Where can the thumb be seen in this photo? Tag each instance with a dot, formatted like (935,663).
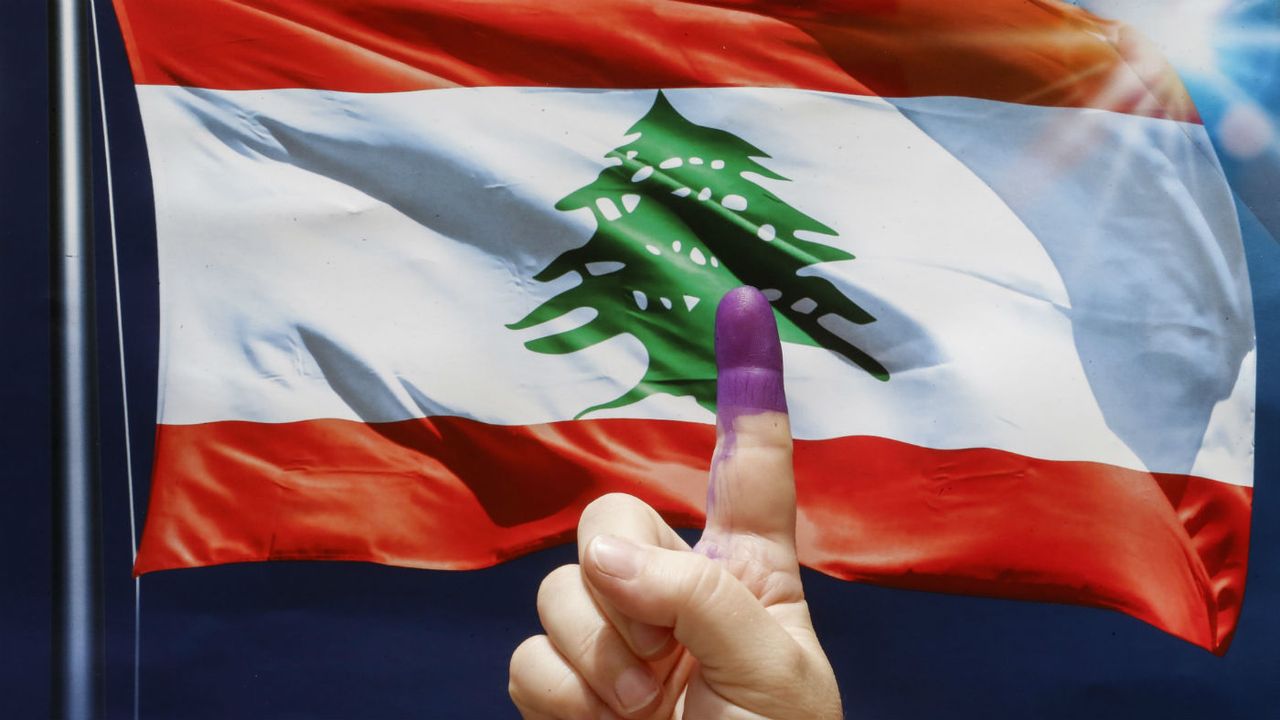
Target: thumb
(735,639)
(752,487)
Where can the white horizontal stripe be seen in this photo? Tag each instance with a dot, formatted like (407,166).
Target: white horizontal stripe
(1139,220)
(358,256)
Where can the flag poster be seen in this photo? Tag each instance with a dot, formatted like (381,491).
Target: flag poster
(434,275)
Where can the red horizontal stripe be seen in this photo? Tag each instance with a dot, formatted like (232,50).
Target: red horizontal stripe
(1028,51)
(454,493)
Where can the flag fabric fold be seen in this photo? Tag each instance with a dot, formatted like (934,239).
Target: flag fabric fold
(434,275)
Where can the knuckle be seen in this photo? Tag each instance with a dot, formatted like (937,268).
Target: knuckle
(611,505)
(794,661)
(523,660)
(554,586)
(589,640)
(515,693)
(789,666)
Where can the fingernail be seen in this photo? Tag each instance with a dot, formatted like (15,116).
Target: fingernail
(648,639)
(748,354)
(635,689)
(615,556)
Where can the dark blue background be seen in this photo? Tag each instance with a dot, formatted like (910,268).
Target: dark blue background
(324,640)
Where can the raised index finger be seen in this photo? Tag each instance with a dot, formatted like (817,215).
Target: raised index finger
(751,504)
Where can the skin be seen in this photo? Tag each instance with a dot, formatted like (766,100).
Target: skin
(647,627)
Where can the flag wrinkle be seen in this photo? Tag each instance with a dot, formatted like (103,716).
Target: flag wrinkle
(966,493)
(1174,333)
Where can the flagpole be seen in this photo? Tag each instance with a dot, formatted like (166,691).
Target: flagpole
(77,576)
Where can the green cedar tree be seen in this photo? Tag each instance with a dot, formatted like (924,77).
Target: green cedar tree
(679,223)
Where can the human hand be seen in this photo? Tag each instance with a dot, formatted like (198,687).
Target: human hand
(647,627)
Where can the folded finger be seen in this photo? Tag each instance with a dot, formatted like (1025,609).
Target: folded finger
(597,652)
(629,517)
(626,516)
(714,615)
(544,686)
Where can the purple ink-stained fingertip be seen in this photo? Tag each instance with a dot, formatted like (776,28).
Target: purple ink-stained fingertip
(748,355)
(746,335)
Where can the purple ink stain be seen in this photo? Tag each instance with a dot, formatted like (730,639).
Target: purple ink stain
(748,357)
(748,382)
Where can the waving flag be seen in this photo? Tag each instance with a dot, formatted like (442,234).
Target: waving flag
(436,274)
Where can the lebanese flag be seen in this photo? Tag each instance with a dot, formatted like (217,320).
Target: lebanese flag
(435,274)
